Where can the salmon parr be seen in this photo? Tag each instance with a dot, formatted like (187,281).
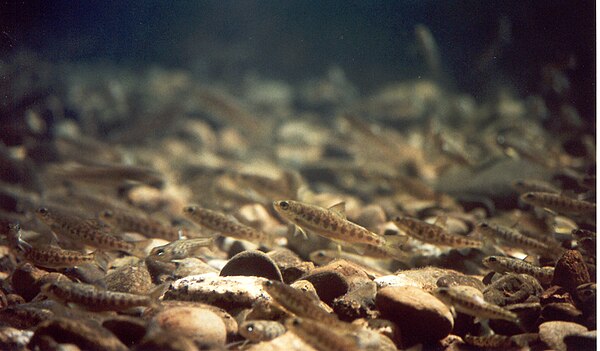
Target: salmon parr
(96,299)
(179,249)
(559,203)
(261,330)
(514,238)
(319,335)
(506,264)
(130,222)
(49,256)
(473,304)
(330,223)
(87,232)
(433,234)
(225,225)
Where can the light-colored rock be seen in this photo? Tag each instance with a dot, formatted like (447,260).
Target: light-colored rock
(194,322)
(421,317)
(553,333)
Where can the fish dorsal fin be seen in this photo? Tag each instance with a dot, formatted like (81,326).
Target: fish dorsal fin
(441,221)
(339,209)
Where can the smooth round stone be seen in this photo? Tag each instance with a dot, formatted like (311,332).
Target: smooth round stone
(422,318)
(328,284)
(252,263)
(129,330)
(133,279)
(194,322)
(553,333)
(290,264)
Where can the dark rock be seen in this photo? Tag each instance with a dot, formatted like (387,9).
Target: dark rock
(571,271)
(129,330)
(25,280)
(358,303)
(554,333)
(513,288)
(166,341)
(421,317)
(556,294)
(252,263)
(290,264)
(328,284)
(528,314)
(581,342)
(560,311)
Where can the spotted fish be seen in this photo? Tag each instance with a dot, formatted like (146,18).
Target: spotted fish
(331,223)
(88,232)
(433,234)
(50,256)
(473,304)
(506,264)
(97,299)
(225,225)
(261,330)
(559,203)
(320,335)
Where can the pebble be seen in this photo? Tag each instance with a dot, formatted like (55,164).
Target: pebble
(286,342)
(454,279)
(14,339)
(556,294)
(513,288)
(571,271)
(128,329)
(25,280)
(553,333)
(252,263)
(194,322)
(421,317)
(561,311)
(133,279)
(192,266)
(582,341)
(290,265)
(166,341)
(358,303)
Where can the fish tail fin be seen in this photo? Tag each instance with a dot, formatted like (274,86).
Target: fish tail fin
(395,245)
(102,259)
(157,292)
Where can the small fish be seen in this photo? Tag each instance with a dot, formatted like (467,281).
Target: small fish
(131,222)
(97,299)
(513,237)
(180,249)
(300,304)
(473,304)
(495,341)
(331,223)
(534,185)
(559,203)
(261,330)
(587,293)
(88,232)
(433,234)
(113,174)
(320,335)
(506,264)
(50,256)
(225,225)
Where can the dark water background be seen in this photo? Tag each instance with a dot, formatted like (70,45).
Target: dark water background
(373,41)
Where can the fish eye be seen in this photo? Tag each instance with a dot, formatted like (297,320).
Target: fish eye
(107,214)
(269,283)
(296,322)
(160,252)
(320,254)
(529,196)
(250,328)
(42,210)
(492,259)
(398,219)
(483,225)
(188,209)
(284,205)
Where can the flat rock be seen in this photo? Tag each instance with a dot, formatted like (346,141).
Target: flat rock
(194,322)
(286,342)
(421,317)
(554,333)
(224,292)
(571,271)
(328,284)
(561,311)
(252,263)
